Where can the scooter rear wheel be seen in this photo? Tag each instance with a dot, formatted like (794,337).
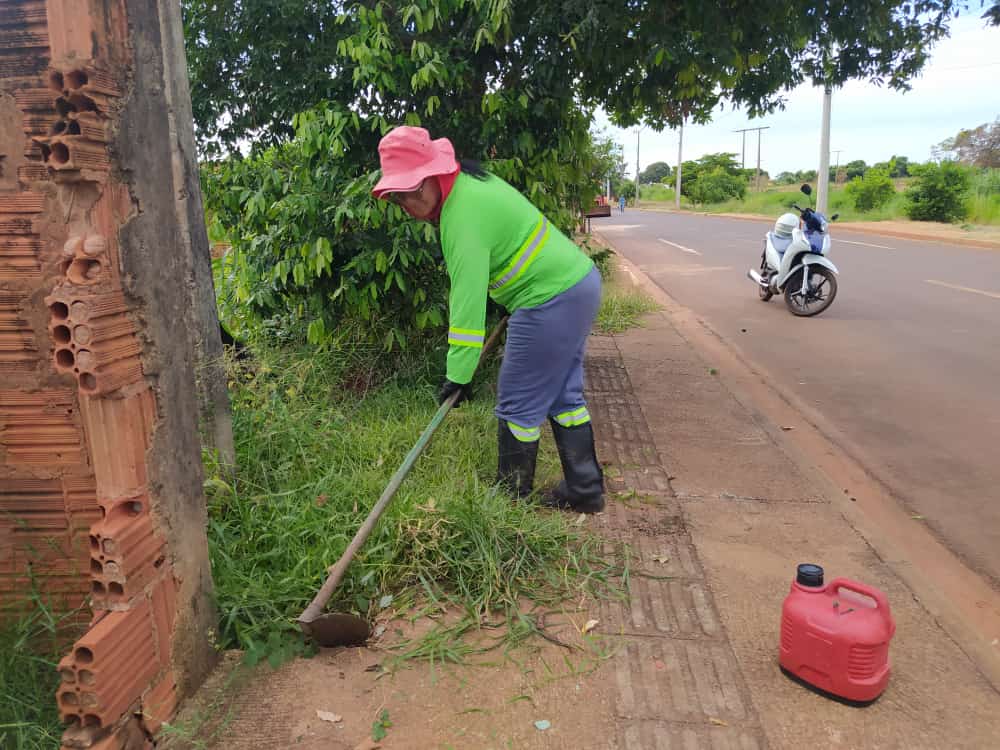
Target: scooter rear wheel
(764,293)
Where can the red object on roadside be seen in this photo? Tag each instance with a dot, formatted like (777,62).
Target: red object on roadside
(835,637)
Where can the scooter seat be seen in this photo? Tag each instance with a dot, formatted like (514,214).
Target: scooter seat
(779,243)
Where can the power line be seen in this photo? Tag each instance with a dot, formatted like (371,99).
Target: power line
(968,67)
(744,131)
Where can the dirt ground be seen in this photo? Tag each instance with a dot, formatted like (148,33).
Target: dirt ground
(711,511)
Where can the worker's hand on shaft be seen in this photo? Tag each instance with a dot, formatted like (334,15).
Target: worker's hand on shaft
(448,388)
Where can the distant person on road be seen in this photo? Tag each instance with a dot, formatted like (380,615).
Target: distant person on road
(497,244)
(621,204)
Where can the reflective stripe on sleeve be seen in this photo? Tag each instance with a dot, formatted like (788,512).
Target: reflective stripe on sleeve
(573,418)
(466,337)
(524,256)
(525,434)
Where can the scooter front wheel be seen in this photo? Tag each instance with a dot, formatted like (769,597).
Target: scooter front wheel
(819,294)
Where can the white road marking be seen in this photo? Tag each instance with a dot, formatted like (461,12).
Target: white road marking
(618,227)
(679,247)
(866,244)
(969,289)
(678,270)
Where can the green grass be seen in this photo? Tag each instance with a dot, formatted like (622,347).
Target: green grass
(31,645)
(774,202)
(983,201)
(657,193)
(984,198)
(318,436)
(623,308)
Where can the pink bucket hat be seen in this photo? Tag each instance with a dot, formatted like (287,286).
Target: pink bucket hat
(408,156)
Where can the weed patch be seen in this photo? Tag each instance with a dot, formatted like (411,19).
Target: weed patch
(30,647)
(313,458)
(622,309)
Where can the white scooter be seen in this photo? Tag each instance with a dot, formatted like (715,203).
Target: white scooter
(794,262)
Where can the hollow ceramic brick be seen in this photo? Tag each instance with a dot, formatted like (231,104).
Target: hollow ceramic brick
(159,702)
(20,243)
(100,354)
(88,125)
(163,598)
(85,271)
(38,428)
(18,352)
(22,203)
(109,702)
(113,637)
(118,432)
(103,329)
(34,99)
(29,174)
(90,80)
(69,152)
(82,308)
(110,378)
(20,259)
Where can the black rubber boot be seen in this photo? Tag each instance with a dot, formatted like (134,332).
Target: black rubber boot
(515,461)
(582,490)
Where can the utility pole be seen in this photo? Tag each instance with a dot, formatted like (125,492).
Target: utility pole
(823,178)
(637,167)
(758,160)
(744,161)
(677,189)
(836,169)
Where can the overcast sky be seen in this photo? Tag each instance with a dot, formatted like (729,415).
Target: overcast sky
(959,88)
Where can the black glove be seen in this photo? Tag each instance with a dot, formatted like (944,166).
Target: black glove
(448,388)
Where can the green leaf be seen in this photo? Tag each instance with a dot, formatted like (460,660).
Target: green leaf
(316,331)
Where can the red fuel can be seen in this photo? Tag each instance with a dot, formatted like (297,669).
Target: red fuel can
(835,637)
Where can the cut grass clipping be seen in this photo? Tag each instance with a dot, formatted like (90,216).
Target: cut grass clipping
(622,308)
(313,458)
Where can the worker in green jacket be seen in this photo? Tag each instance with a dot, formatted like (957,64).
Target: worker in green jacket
(497,244)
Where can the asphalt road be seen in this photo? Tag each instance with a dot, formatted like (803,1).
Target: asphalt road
(905,364)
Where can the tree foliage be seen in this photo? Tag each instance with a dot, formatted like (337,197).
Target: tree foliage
(716,186)
(608,161)
(308,87)
(723,174)
(655,173)
(978,147)
(255,62)
(938,192)
(307,237)
(796,178)
(896,167)
(662,63)
(872,190)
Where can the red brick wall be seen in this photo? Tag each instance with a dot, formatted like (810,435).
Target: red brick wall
(77,412)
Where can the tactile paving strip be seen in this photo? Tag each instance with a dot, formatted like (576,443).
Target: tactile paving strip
(678,682)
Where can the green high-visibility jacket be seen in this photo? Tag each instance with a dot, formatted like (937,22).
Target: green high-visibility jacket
(495,242)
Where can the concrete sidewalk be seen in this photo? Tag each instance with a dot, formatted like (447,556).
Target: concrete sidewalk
(752,515)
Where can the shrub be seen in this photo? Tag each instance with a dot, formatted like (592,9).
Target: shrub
(717,186)
(873,190)
(938,192)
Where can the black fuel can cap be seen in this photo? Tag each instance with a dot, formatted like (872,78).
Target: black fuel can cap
(809,575)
